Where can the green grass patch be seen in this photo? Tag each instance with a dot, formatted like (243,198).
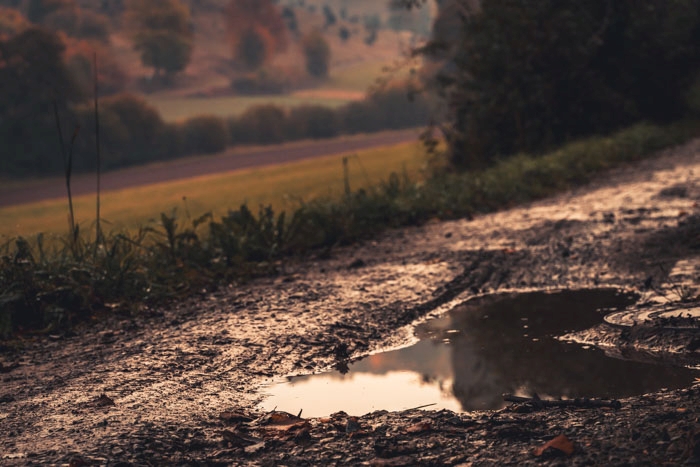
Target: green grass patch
(180,108)
(49,286)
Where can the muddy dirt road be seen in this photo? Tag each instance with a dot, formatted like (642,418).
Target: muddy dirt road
(232,159)
(179,385)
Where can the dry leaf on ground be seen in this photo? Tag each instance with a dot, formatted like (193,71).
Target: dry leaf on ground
(561,443)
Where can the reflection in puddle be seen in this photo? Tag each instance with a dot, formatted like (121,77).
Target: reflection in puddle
(483,348)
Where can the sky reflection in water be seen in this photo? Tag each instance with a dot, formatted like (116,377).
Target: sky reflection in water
(468,358)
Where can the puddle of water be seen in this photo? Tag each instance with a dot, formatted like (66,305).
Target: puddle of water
(466,359)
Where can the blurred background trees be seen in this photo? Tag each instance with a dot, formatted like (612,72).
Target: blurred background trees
(256,31)
(162,32)
(34,77)
(528,76)
(317,53)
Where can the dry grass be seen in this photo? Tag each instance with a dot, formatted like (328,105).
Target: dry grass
(282,186)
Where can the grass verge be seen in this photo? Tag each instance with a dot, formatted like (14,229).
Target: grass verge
(281,186)
(45,288)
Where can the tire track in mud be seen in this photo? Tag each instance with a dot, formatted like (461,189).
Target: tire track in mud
(171,371)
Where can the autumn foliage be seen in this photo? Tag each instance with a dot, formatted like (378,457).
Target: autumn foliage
(12,22)
(256,31)
(112,78)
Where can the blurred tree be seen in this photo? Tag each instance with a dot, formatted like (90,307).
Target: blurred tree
(527,76)
(79,59)
(290,19)
(255,26)
(12,22)
(37,10)
(162,33)
(76,22)
(317,53)
(254,48)
(329,16)
(372,24)
(403,19)
(33,76)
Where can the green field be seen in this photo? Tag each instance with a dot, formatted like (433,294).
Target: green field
(344,85)
(181,108)
(282,186)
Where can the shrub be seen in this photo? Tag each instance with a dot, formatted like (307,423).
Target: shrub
(312,122)
(131,131)
(205,134)
(400,107)
(254,47)
(533,75)
(262,124)
(317,53)
(360,117)
(171,141)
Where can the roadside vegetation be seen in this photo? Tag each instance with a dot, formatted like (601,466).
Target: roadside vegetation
(47,285)
(281,186)
(531,110)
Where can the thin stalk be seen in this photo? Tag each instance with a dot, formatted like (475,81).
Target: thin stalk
(67,165)
(346,176)
(98,230)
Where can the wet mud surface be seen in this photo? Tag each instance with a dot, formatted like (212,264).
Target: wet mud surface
(180,385)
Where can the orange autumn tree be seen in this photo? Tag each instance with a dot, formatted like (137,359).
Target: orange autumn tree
(256,31)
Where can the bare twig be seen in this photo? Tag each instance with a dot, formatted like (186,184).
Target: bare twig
(422,406)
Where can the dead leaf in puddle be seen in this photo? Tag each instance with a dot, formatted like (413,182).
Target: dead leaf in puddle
(561,444)
(420,427)
(234,417)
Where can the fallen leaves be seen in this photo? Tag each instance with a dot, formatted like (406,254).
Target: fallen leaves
(558,445)
(234,417)
(420,427)
(271,426)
